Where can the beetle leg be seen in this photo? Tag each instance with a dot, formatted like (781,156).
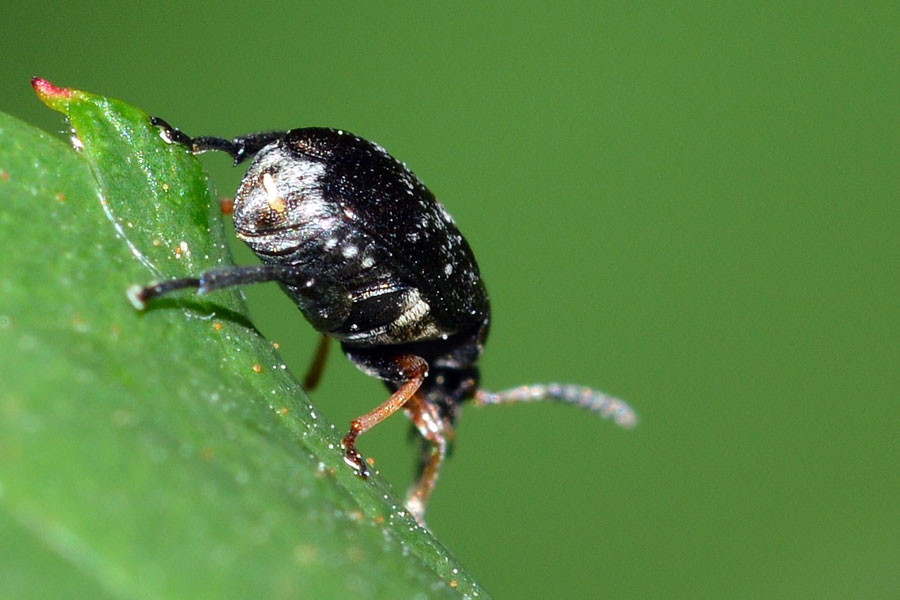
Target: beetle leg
(314,373)
(239,148)
(436,433)
(577,395)
(210,280)
(412,370)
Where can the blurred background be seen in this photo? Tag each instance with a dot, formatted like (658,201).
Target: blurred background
(694,208)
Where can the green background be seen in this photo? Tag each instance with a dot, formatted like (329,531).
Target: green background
(692,207)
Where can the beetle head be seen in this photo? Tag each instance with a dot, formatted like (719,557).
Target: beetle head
(280,203)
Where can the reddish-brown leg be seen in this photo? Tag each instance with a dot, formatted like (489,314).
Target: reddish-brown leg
(314,372)
(438,431)
(413,369)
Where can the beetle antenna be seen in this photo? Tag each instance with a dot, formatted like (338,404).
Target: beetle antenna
(583,397)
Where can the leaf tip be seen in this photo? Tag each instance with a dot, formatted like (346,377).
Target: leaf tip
(53,96)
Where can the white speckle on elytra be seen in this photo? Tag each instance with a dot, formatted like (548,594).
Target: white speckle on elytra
(448,269)
(445,214)
(349,251)
(368,262)
(330,243)
(381,149)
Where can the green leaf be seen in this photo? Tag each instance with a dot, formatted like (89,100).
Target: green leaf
(165,453)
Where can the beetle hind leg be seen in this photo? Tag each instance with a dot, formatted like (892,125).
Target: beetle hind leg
(580,396)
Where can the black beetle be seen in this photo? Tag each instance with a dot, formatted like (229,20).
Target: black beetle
(372,259)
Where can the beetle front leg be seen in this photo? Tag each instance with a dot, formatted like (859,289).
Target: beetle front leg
(239,148)
(210,280)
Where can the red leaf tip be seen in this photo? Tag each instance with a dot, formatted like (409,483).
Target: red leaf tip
(47,91)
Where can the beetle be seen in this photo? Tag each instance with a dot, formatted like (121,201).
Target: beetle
(373,260)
